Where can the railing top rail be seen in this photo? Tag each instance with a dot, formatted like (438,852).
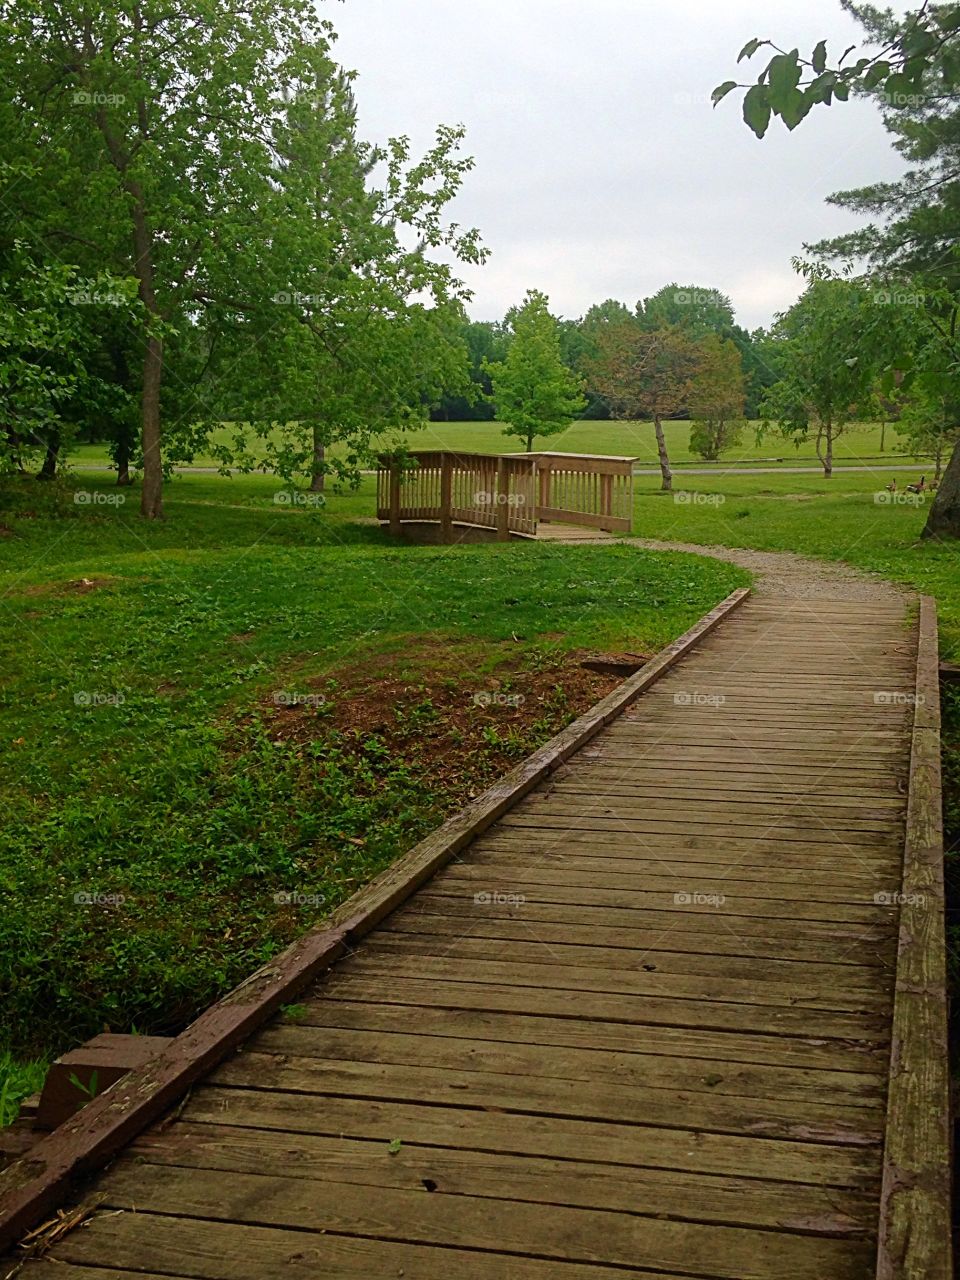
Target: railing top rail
(458,455)
(573,457)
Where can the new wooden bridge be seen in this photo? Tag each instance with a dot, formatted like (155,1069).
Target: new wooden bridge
(667,1002)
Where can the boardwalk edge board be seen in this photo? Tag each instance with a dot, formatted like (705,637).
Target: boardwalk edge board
(915,1208)
(39,1182)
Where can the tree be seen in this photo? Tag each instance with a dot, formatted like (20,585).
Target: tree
(534,392)
(913,74)
(931,423)
(360,332)
(830,348)
(696,310)
(205,152)
(717,398)
(646,374)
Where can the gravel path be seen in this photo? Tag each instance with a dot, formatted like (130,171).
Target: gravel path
(784,573)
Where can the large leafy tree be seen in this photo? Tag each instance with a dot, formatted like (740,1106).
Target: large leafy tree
(646,374)
(911,67)
(360,332)
(696,310)
(699,311)
(194,150)
(534,392)
(830,348)
(717,398)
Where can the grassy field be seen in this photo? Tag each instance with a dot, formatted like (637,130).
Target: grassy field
(218,726)
(631,439)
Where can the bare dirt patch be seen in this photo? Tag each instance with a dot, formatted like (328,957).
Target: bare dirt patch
(78,586)
(458,716)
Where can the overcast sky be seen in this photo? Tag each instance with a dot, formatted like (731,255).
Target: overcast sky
(602,169)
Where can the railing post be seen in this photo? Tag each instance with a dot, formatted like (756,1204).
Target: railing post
(606,501)
(545,480)
(395,498)
(503,502)
(446,498)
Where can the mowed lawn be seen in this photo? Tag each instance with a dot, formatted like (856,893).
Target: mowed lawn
(629,439)
(204,716)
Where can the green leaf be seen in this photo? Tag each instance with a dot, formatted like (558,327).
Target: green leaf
(841,92)
(821,89)
(394,1146)
(721,91)
(783,74)
(819,58)
(756,108)
(879,71)
(750,48)
(796,108)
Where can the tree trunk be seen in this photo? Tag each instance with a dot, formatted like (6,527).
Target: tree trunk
(665,472)
(938,462)
(883,434)
(49,468)
(825,433)
(529,442)
(318,471)
(151,494)
(944,518)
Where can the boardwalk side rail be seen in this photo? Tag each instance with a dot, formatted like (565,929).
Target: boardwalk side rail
(491,491)
(588,489)
(915,1203)
(43,1179)
(508,493)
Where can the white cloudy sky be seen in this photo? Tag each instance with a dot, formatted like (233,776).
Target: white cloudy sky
(602,169)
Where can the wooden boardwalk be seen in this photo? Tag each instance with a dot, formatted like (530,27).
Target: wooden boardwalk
(640,1026)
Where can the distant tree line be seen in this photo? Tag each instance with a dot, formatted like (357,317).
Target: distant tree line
(697,311)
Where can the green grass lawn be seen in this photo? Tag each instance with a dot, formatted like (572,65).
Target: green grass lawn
(245,701)
(631,439)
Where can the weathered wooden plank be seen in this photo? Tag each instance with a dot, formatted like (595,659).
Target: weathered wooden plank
(807,854)
(764,869)
(737,832)
(456,944)
(586,1236)
(716,1014)
(684,895)
(726,1201)
(693,926)
(786,1053)
(556,1137)
(552,1062)
(131,1243)
(701,951)
(860,999)
(645,884)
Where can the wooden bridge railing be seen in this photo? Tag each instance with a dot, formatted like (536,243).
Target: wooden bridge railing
(589,489)
(509,493)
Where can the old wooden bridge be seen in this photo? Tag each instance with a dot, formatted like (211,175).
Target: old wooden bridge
(457,497)
(666,1002)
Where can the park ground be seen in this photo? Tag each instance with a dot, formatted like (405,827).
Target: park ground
(216,728)
(861,442)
